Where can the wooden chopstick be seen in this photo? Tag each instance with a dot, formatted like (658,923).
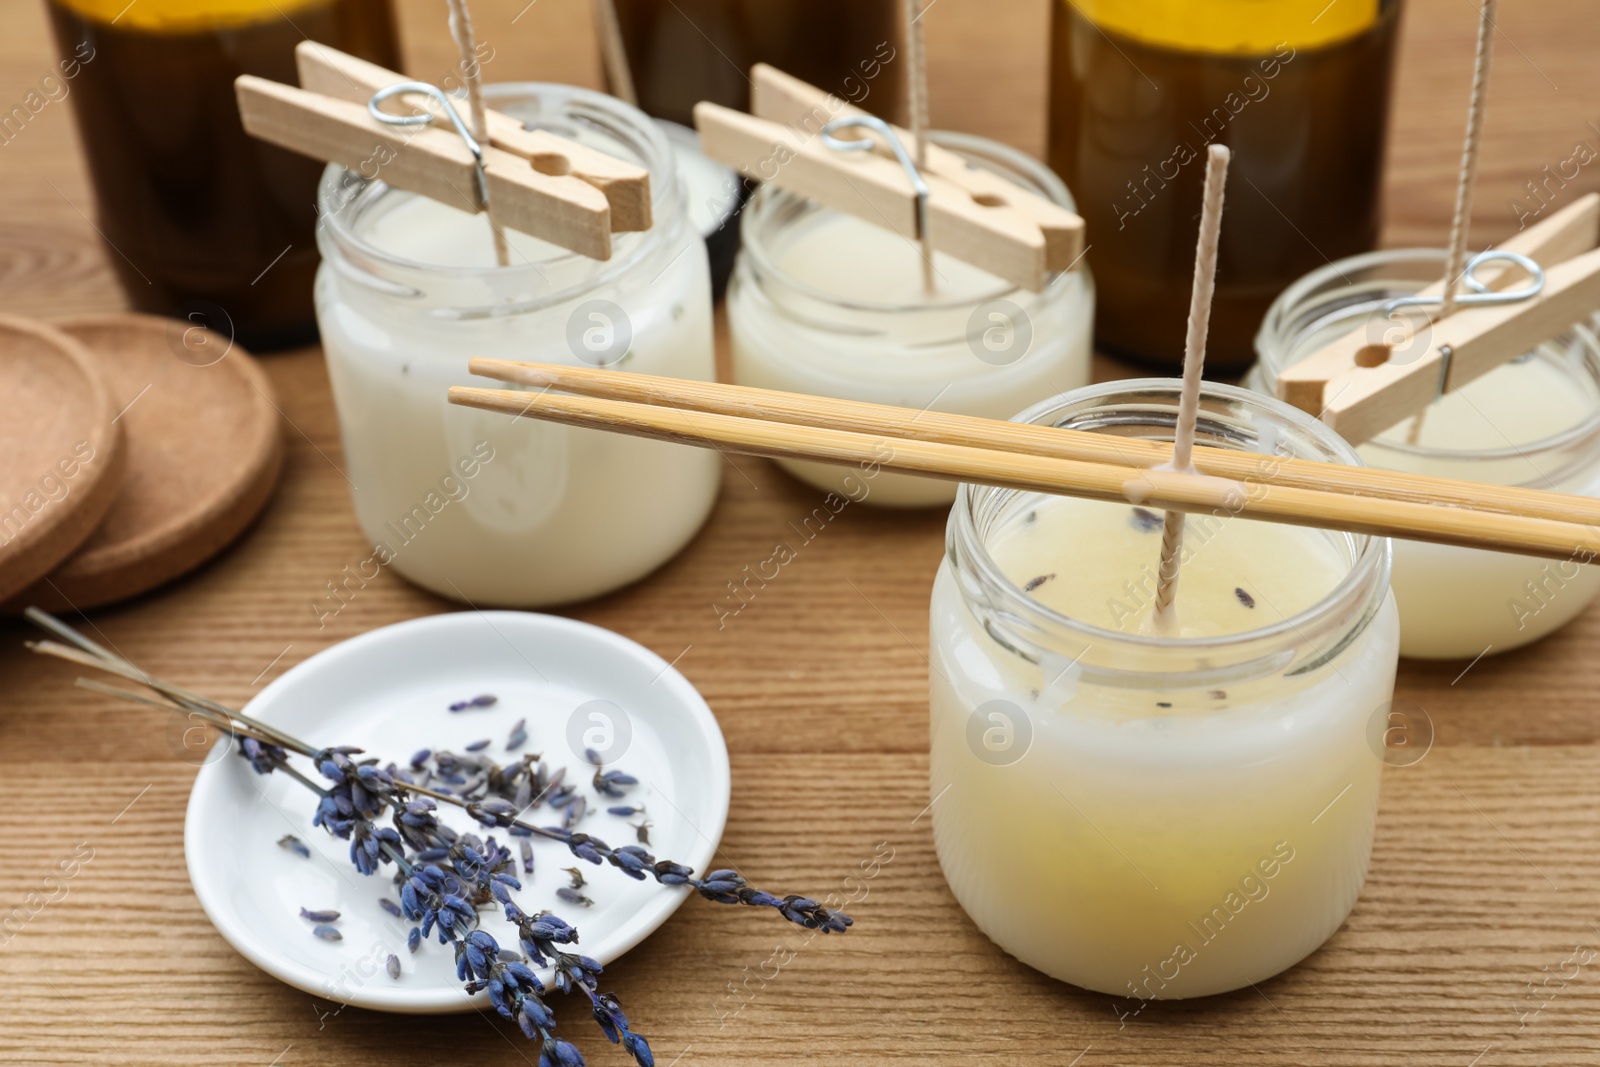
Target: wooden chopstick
(1049,441)
(1168,490)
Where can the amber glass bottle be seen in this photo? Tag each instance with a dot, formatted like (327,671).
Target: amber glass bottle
(685,51)
(201,219)
(1298,89)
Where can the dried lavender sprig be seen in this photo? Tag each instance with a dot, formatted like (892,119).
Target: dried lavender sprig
(723,886)
(267,749)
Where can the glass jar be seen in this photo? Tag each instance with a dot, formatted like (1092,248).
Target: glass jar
(830,305)
(1146,815)
(473,505)
(202,220)
(1298,89)
(1533,422)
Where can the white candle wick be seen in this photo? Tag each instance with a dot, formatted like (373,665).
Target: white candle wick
(1194,359)
(461,30)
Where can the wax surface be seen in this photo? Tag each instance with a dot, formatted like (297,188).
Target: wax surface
(852,259)
(1096,562)
(424,230)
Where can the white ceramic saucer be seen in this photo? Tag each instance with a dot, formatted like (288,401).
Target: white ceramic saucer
(389,692)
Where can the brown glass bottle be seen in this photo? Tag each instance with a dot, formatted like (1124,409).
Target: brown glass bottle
(1129,122)
(201,219)
(685,51)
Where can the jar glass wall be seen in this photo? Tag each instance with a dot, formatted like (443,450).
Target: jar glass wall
(1145,814)
(470,504)
(1532,422)
(830,305)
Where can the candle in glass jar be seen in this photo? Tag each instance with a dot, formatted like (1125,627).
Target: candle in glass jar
(831,305)
(1462,602)
(1143,812)
(472,505)
(1532,422)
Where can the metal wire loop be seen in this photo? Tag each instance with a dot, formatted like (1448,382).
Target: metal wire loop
(865,144)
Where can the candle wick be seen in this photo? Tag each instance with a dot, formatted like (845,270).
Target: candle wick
(461,30)
(1466,180)
(614,52)
(917,104)
(1194,360)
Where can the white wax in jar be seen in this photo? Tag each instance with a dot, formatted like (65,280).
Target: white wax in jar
(1146,841)
(867,329)
(1464,602)
(554,514)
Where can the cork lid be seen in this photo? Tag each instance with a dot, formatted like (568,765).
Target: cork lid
(61,449)
(204,451)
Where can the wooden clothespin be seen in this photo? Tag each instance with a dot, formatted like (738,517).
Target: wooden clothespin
(976,216)
(543,185)
(1387,369)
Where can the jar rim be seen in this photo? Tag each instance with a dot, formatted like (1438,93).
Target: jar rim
(1272,339)
(357,194)
(768,201)
(1360,591)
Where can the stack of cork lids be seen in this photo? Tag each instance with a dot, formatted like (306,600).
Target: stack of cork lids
(132,449)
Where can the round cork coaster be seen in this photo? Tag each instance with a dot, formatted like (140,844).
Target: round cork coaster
(61,449)
(204,453)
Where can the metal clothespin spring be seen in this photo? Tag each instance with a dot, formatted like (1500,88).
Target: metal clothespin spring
(1479,296)
(1480,293)
(441,98)
(865,144)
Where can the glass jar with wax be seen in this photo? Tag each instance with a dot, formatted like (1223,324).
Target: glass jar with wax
(1299,89)
(1158,810)
(201,220)
(1533,422)
(828,304)
(470,504)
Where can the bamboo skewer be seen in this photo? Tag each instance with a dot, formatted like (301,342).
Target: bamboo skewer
(1169,490)
(1194,362)
(882,420)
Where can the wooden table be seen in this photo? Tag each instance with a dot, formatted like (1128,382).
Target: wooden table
(1485,875)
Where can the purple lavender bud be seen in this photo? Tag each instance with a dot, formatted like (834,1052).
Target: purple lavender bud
(391,907)
(420,757)
(639,1049)
(527,857)
(624,810)
(478,746)
(325,916)
(567,1054)
(414,939)
(1146,521)
(295,845)
(572,896)
(393,963)
(327,933)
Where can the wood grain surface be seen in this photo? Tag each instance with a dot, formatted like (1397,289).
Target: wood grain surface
(1485,874)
